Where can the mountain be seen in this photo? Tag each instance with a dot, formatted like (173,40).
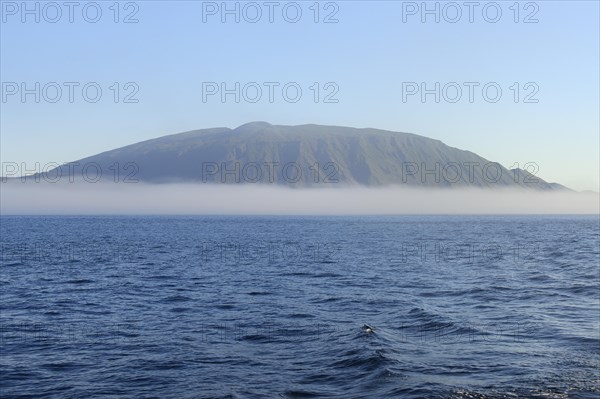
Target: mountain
(300,156)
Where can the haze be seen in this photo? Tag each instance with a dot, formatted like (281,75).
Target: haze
(140,199)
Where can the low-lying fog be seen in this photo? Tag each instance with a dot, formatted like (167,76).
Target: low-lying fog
(106,198)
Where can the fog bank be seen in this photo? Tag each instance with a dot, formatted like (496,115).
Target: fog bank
(169,199)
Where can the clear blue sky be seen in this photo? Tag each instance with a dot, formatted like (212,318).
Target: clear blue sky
(368,54)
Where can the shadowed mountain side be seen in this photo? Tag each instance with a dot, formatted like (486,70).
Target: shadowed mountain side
(301,156)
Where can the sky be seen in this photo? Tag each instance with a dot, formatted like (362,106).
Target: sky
(162,67)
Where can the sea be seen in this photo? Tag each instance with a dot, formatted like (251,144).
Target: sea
(300,307)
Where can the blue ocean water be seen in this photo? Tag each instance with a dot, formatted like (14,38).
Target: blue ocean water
(253,307)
